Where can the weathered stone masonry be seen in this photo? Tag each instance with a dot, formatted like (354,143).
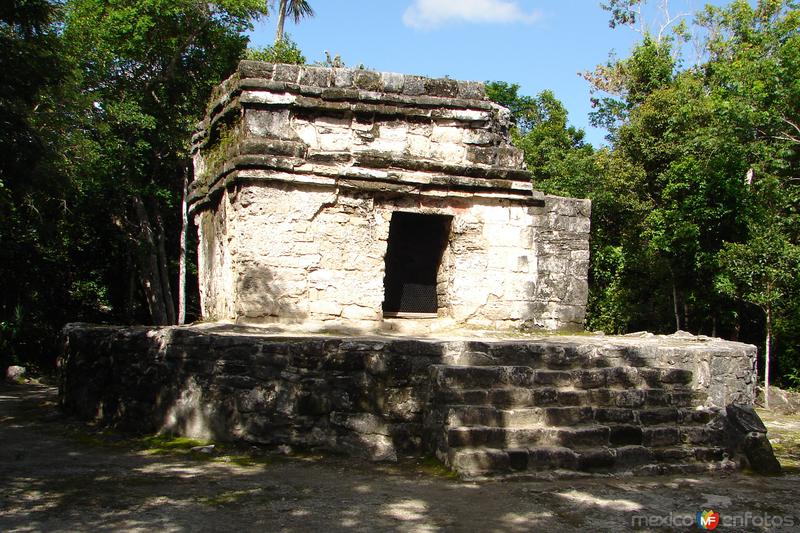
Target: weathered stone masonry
(299,171)
(646,404)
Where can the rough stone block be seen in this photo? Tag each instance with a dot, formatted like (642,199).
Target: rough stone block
(469,90)
(673,454)
(392,82)
(602,459)
(567,416)
(630,398)
(622,376)
(676,376)
(567,398)
(315,76)
(286,73)
(552,457)
(701,435)
(667,415)
(589,379)
(256,69)
(580,436)
(623,435)
(361,423)
(441,87)
(696,416)
(475,377)
(614,415)
(552,378)
(378,448)
(343,77)
(514,397)
(631,456)
(710,454)
(314,404)
(660,436)
(478,462)
(368,80)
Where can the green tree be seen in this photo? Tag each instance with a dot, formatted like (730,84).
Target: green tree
(701,147)
(98,100)
(32,188)
(283,51)
(626,83)
(762,272)
(143,73)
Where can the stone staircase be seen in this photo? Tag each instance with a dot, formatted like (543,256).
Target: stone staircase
(547,410)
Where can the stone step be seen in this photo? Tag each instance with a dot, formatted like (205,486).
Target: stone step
(478,377)
(692,423)
(477,462)
(512,437)
(581,436)
(549,354)
(530,417)
(618,377)
(519,397)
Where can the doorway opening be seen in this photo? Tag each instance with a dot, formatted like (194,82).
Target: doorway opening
(413,256)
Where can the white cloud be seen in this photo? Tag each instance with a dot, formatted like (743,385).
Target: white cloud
(429,14)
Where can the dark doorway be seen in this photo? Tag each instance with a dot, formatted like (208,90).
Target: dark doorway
(414,253)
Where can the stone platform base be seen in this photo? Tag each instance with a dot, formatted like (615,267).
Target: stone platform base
(485,407)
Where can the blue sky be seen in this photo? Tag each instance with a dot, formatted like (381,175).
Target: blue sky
(539,44)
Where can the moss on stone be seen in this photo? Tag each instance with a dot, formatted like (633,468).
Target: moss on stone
(219,150)
(432,466)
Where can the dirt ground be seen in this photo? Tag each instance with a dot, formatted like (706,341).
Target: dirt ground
(57,474)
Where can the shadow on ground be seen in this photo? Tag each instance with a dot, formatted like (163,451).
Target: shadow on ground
(55,475)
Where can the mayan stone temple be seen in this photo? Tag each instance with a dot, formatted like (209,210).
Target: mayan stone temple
(378,277)
(335,194)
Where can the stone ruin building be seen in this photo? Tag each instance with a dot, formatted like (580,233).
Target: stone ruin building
(353,196)
(356,198)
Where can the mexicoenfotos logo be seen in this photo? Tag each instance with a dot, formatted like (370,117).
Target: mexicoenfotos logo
(707,519)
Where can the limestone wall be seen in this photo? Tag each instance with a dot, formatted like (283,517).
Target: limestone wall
(298,172)
(305,253)
(377,397)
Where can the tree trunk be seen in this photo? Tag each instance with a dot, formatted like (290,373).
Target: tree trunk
(148,265)
(685,316)
(163,269)
(281,21)
(675,305)
(182,257)
(130,305)
(767,356)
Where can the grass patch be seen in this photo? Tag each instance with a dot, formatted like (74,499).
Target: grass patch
(169,443)
(787,449)
(166,444)
(245,460)
(159,444)
(432,466)
(783,432)
(99,439)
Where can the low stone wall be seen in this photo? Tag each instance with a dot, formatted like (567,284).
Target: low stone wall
(366,395)
(361,396)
